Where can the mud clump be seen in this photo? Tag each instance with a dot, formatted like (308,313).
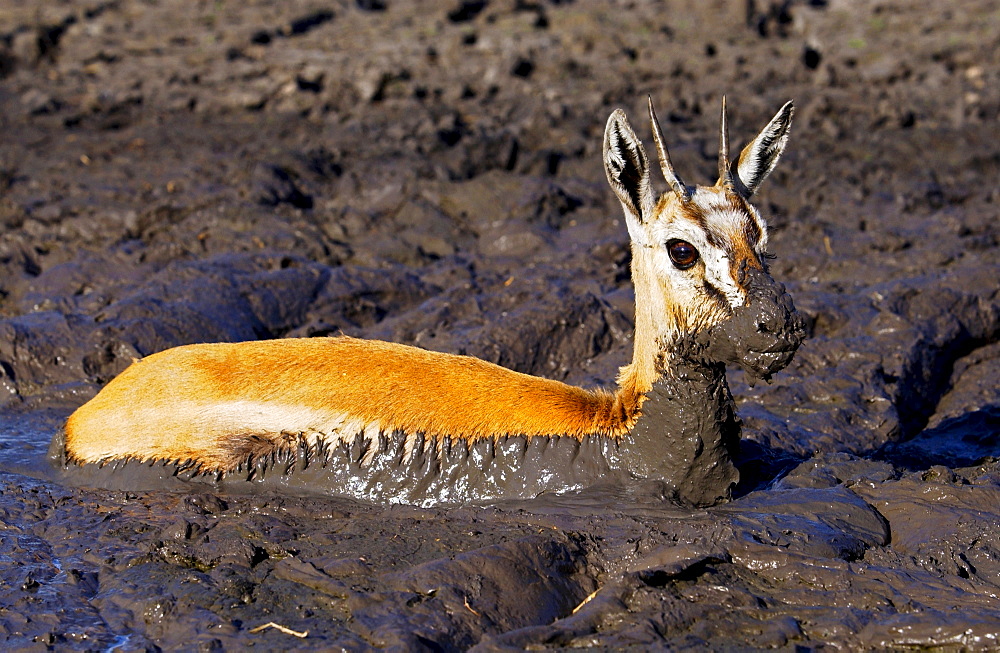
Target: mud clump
(242,172)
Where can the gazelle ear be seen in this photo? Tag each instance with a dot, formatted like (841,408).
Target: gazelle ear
(759,157)
(627,168)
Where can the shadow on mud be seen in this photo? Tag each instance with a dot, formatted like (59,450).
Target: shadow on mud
(961,441)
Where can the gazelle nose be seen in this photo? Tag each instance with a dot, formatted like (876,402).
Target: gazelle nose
(773,323)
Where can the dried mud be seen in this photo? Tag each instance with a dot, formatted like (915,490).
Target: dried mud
(430,173)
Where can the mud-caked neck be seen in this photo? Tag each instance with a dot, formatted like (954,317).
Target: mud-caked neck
(688,432)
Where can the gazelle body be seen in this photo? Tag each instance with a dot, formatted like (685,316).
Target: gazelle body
(703,299)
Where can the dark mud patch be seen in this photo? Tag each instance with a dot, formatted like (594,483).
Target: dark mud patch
(432,176)
(354,574)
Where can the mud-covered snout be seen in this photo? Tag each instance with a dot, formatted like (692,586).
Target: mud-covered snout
(761,336)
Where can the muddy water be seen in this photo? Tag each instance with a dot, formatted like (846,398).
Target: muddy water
(431,175)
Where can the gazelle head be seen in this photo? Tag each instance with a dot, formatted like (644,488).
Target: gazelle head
(699,255)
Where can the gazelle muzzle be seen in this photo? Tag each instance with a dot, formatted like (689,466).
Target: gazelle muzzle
(761,336)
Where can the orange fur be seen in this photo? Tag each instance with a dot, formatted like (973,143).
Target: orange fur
(163,406)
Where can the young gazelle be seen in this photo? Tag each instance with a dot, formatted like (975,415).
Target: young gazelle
(395,423)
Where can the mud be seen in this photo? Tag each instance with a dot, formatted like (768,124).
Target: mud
(431,175)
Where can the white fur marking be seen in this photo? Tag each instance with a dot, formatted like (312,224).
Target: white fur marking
(412,446)
(372,443)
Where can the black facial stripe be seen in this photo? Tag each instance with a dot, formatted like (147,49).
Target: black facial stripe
(713,238)
(715,294)
(716,238)
(752,231)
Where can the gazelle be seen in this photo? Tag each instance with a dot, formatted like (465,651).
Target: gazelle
(396,423)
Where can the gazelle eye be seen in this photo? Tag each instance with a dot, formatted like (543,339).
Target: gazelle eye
(682,253)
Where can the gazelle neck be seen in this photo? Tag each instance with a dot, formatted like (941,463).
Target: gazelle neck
(658,327)
(688,434)
(683,427)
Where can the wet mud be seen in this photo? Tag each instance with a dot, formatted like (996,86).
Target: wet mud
(431,174)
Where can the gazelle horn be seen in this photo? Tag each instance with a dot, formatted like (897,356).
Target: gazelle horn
(665,165)
(725,172)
